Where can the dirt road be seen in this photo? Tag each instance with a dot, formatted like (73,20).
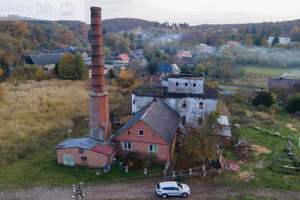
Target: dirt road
(144,190)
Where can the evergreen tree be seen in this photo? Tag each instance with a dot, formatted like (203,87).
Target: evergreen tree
(275,40)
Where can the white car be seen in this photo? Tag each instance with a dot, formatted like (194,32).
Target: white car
(172,188)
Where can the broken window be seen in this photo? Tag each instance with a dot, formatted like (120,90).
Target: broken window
(183,120)
(194,84)
(201,105)
(177,83)
(133,101)
(186,84)
(128,132)
(184,104)
(200,120)
(81,150)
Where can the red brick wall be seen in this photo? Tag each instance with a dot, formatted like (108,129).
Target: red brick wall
(140,143)
(93,159)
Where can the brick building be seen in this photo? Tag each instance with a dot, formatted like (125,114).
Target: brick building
(152,130)
(96,150)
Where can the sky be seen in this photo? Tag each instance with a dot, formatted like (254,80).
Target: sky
(194,12)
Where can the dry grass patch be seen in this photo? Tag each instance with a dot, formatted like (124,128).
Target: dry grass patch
(290,126)
(37,114)
(259,149)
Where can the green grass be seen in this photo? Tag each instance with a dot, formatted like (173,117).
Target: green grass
(266,71)
(261,174)
(42,169)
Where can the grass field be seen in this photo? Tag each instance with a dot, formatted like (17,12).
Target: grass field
(36,116)
(258,76)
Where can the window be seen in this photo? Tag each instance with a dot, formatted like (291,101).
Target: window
(186,84)
(201,105)
(128,132)
(81,150)
(184,104)
(200,120)
(141,133)
(133,102)
(152,148)
(183,120)
(194,84)
(177,83)
(127,145)
(83,158)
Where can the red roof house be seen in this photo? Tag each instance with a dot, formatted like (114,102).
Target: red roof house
(152,130)
(123,58)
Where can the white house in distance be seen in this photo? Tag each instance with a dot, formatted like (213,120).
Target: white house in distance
(184,93)
(282,40)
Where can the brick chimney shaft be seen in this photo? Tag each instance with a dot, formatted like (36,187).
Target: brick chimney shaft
(99,127)
(98,79)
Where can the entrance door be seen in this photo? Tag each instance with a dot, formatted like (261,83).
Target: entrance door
(68,159)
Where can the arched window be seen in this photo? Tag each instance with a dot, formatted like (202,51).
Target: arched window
(184,104)
(200,120)
(201,105)
(183,120)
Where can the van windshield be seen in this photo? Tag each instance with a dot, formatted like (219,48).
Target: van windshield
(179,185)
(158,186)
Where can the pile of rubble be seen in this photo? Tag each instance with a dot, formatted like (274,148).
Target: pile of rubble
(241,150)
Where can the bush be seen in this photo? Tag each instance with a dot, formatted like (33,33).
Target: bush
(265,98)
(293,103)
(262,108)
(29,72)
(239,112)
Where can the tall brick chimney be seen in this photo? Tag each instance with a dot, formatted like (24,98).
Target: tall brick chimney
(99,127)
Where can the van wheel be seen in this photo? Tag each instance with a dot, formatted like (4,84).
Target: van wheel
(184,195)
(164,196)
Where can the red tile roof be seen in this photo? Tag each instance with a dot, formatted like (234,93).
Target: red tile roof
(123,57)
(107,149)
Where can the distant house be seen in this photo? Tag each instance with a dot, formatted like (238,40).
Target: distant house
(139,58)
(233,44)
(74,50)
(152,130)
(282,40)
(167,69)
(85,152)
(122,58)
(225,133)
(203,49)
(44,61)
(288,83)
(185,58)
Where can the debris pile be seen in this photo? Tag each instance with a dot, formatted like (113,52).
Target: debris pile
(241,150)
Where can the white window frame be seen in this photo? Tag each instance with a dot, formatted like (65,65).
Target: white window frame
(126,148)
(139,132)
(152,148)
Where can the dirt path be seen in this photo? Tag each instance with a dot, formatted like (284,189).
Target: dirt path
(144,190)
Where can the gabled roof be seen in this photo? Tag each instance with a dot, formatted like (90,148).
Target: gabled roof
(123,57)
(87,143)
(45,59)
(159,117)
(165,68)
(273,82)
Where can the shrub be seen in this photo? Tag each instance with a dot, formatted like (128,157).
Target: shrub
(29,72)
(262,108)
(293,103)
(239,112)
(265,98)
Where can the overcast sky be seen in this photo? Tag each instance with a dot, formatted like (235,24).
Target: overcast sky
(193,12)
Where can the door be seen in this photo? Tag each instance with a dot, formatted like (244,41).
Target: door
(68,159)
(176,191)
